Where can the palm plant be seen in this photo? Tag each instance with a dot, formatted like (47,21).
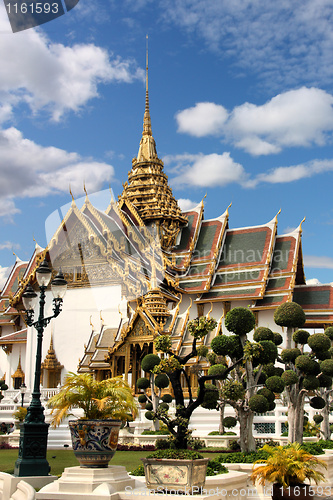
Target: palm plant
(288,466)
(110,398)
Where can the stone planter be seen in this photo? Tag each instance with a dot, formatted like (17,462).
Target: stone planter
(179,476)
(94,441)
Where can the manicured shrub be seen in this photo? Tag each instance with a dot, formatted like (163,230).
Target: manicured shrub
(149,406)
(275,384)
(269,353)
(211,397)
(289,377)
(329,332)
(220,345)
(289,355)
(289,314)
(233,390)
(325,380)
(142,398)
(167,398)
(149,415)
(164,406)
(318,418)
(202,351)
(301,336)
(229,422)
(307,365)
(258,403)
(263,333)
(162,381)
(326,367)
(217,370)
(142,383)
(310,383)
(149,361)
(240,321)
(278,339)
(323,355)
(269,395)
(235,347)
(319,342)
(317,402)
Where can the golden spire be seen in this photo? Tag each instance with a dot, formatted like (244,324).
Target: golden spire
(147,149)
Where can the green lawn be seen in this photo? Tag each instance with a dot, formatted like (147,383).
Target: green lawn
(59,459)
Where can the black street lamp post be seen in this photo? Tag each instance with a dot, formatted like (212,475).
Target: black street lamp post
(33,431)
(23,390)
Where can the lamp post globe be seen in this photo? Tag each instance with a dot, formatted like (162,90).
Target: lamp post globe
(33,431)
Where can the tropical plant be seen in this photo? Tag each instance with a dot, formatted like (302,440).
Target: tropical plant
(288,466)
(110,398)
(20,413)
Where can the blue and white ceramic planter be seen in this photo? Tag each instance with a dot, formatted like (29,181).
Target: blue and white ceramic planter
(94,441)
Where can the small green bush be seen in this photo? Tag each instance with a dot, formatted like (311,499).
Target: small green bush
(329,332)
(167,398)
(289,377)
(240,321)
(289,355)
(218,369)
(233,390)
(326,367)
(275,384)
(318,418)
(142,383)
(229,422)
(269,353)
(149,406)
(263,333)
(319,342)
(310,383)
(162,381)
(258,403)
(289,314)
(317,402)
(142,398)
(307,365)
(220,345)
(278,339)
(176,454)
(149,415)
(139,471)
(269,395)
(149,362)
(325,380)
(301,336)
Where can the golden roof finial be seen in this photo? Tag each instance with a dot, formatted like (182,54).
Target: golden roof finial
(70,192)
(210,310)
(300,226)
(85,190)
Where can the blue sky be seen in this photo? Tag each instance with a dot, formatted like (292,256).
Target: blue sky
(241,97)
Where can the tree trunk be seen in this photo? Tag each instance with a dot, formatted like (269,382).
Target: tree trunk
(221,412)
(155,401)
(295,414)
(289,337)
(325,412)
(245,418)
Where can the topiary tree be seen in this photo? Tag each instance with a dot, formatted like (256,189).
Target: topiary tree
(247,388)
(306,372)
(155,383)
(172,366)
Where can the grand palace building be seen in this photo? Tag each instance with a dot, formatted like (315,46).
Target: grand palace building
(143,268)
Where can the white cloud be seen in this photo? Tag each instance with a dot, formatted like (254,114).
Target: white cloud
(186,204)
(301,117)
(283,43)
(9,245)
(30,170)
(318,262)
(205,118)
(55,77)
(313,281)
(206,170)
(4,272)
(282,175)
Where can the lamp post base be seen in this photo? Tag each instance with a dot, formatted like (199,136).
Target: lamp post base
(32,452)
